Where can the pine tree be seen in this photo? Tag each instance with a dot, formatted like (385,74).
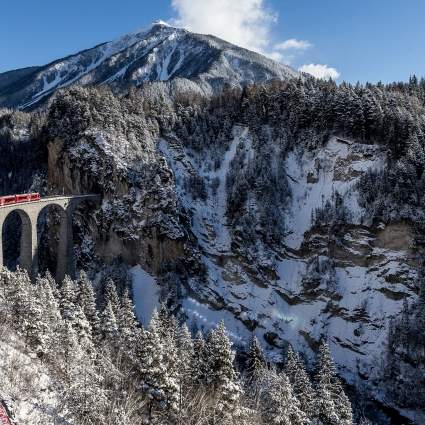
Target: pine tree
(343,404)
(108,324)
(36,327)
(221,374)
(73,313)
(185,353)
(49,297)
(279,405)
(255,370)
(174,369)
(51,313)
(19,297)
(83,330)
(165,326)
(332,405)
(166,323)
(256,361)
(48,278)
(161,391)
(69,350)
(300,381)
(68,293)
(127,322)
(87,301)
(199,363)
(111,296)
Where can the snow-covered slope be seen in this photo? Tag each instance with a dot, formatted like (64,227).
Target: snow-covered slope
(26,386)
(345,288)
(158,53)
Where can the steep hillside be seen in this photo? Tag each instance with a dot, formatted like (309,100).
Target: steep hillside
(259,207)
(159,53)
(293,210)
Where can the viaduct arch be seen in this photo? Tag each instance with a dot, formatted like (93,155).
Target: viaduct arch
(29,213)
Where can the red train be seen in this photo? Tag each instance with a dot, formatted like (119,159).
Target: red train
(17,199)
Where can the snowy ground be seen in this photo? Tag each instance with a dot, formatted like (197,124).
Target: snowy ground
(26,387)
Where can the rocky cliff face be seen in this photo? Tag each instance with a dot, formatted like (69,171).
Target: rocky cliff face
(345,283)
(139,221)
(336,275)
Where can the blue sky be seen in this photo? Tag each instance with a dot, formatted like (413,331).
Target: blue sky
(365,40)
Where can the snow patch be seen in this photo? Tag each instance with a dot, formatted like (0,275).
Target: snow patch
(146,293)
(202,317)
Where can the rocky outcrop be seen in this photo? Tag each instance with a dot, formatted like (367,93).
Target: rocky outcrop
(139,221)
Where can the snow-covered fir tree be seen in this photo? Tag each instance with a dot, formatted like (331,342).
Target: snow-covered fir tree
(111,296)
(185,357)
(279,405)
(300,381)
(160,375)
(256,361)
(87,301)
(127,321)
(36,325)
(221,375)
(332,406)
(49,296)
(158,383)
(68,296)
(108,323)
(199,364)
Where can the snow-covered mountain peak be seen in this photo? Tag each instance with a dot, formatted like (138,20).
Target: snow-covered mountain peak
(162,23)
(160,52)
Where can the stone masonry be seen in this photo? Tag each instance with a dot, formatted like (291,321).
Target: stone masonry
(29,213)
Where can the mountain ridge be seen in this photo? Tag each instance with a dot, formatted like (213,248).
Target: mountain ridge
(158,53)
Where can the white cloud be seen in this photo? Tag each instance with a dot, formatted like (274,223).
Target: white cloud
(293,44)
(246,23)
(278,57)
(320,71)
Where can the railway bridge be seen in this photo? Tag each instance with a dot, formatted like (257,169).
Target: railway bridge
(29,213)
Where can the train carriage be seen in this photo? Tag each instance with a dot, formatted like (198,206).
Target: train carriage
(17,199)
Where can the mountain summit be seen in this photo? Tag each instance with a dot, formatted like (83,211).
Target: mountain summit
(158,53)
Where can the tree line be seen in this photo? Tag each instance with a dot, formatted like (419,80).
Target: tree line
(110,369)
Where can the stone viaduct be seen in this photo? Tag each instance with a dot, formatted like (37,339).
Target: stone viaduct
(29,213)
